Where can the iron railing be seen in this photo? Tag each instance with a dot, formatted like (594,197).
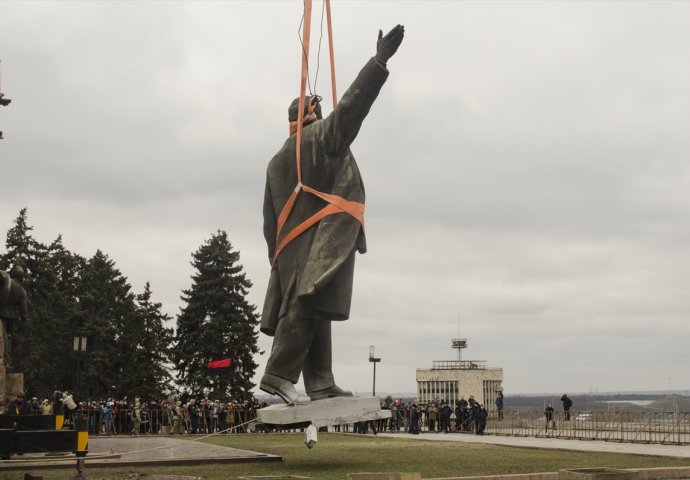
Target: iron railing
(621,426)
(159,421)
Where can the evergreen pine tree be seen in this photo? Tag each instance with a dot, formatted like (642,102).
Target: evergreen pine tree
(19,243)
(32,341)
(54,281)
(148,375)
(70,296)
(106,316)
(217,322)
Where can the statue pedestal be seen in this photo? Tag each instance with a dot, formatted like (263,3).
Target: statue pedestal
(14,385)
(324,413)
(11,385)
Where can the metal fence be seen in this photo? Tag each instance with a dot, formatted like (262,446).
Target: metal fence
(633,427)
(159,421)
(637,427)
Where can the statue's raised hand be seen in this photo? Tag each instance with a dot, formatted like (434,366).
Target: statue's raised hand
(387,45)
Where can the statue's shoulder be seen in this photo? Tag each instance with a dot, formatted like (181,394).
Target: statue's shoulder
(284,159)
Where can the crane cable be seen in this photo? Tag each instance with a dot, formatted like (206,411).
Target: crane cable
(336,204)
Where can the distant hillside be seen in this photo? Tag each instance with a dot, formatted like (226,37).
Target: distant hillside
(629,402)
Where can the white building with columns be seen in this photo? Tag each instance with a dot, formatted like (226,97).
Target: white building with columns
(448,380)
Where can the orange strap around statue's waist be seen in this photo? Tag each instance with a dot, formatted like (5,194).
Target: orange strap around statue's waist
(336,204)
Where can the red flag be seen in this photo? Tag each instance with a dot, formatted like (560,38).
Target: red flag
(225,363)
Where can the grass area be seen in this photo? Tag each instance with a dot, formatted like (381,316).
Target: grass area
(337,455)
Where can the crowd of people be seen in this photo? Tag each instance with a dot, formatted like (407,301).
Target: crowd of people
(438,416)
(136,416)
(205,416)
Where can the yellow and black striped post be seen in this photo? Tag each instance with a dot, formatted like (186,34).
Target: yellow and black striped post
(57,410)
(82,435)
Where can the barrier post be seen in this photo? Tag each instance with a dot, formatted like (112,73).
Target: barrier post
(82,435)
(57,410)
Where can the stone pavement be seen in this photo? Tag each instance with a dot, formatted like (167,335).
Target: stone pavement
(107,451)
(679,451)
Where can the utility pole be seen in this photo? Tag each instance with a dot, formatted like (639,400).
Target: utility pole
(79,348)
(374,360)
(3,101)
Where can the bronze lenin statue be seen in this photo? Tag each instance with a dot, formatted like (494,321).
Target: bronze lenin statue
(311,276)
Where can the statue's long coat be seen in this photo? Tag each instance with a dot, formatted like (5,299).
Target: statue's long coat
(318,265)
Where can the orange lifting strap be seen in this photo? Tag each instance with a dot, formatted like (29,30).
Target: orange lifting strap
(336,204)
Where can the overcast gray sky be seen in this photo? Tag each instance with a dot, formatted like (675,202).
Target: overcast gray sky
(526,168)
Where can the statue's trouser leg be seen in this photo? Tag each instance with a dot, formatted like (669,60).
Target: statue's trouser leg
(302,345)
(317,371)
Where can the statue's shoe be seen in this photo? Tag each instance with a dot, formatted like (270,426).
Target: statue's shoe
(283,388)
(330,392)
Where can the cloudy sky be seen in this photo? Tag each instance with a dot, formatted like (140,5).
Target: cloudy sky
(526,167)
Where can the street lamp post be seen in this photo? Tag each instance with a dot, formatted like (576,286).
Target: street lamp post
(4,102)
(374,360)
(79,347)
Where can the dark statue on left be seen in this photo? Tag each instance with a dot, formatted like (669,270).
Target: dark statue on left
(13,309)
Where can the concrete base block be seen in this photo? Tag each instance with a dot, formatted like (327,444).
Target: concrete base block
(144,476)
(275,477)
(598,474)
(323,413)
(14,385)
(663,473)
(385,476)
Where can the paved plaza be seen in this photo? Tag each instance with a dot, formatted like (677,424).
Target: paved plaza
(170,451)
(140,451)
(678,451)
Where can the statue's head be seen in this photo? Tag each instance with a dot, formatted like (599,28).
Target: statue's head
(312,105)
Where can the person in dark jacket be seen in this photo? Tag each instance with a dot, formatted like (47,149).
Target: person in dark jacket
(444,417)
(567,405)
(548,414)
(463,416)
(193,416)
(474,412)
(414,419)
(481,417)
(19,406)
(459,417)
(312,274)
(499,405)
